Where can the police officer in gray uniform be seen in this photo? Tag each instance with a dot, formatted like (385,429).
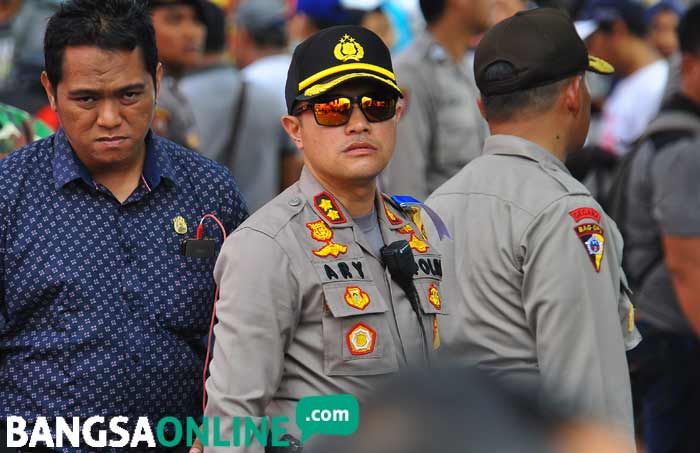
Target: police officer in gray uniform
(534,274)
(441,130)
(310,303)
(180,36)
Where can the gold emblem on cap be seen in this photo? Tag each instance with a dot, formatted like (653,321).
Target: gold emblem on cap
(348,49)
(180,225)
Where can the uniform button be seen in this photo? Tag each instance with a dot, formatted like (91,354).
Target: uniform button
(136,358)
(294,202)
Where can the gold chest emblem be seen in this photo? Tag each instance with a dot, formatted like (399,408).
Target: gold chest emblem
(180,225)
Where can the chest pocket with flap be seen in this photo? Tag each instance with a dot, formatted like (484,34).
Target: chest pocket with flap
(356,335)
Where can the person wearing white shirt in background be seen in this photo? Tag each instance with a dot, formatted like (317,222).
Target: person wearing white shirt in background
(616,30)
(259,45)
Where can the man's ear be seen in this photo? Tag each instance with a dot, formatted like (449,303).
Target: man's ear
(573,94)
(292,126)
(159,77)
(399,109)
(49,89)
(482,107)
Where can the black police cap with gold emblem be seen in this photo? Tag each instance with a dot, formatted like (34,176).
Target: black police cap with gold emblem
(334,56)
(542,46)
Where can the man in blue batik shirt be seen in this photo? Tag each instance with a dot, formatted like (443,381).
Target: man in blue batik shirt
(100,313)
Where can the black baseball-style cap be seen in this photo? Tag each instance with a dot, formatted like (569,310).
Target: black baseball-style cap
(542,46)
(334,56)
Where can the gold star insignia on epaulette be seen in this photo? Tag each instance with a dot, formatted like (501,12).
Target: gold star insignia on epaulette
(327,207)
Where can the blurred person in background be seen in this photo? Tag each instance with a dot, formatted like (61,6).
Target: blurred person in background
(8,12)
(442,129)
(19,128)
(617,31)
(239,120)
(459,410)
(661,223)
(23,88)
(662,19)
(534,276)
(503,9)
(180,35)
(378,21)
(258,45)
(309,16)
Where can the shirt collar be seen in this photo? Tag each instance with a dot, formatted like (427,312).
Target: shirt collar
(510,145)
(67,167)
(322,201)
(334,213)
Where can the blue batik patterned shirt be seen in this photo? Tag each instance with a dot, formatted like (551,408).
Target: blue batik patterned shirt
(100,313)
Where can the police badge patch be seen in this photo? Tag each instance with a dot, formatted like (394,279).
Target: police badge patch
(593,239)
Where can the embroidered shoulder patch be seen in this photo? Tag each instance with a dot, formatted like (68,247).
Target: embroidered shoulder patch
(328,208)
(593,239)
(579,214)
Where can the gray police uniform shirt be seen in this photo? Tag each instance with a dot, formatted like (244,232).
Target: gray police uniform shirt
(662,200)
(173,118)
(261,142)
(537,294)
(307,308)
(441,129)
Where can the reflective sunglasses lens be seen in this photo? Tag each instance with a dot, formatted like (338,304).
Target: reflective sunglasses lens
(334,112)
(378,109)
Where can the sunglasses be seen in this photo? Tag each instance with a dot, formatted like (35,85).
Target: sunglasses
(336,111)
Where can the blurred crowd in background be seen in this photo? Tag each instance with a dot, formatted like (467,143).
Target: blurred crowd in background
(226,64)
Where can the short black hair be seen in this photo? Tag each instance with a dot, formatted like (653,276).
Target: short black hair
(432,9)
(107,24)
(689,31)
(273,36)
(504,107)
(214,19)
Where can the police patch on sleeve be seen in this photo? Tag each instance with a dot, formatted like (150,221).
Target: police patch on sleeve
(593,239)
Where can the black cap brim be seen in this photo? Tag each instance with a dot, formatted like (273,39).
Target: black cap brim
(321,88)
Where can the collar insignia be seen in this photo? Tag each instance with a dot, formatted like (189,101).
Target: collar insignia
(415,243)
(327,206)
(321,233)
(390,215)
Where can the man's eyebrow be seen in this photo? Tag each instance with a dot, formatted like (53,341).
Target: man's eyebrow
(90,92)
(133,87)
